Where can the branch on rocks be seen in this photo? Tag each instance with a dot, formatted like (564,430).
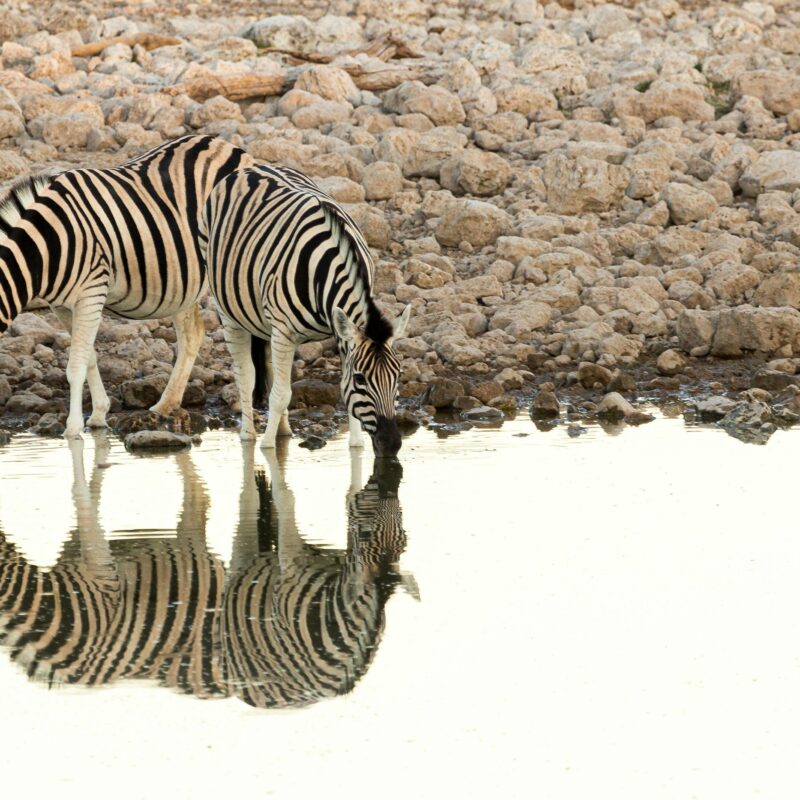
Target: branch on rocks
(234,87)
(385,48)
(150,41)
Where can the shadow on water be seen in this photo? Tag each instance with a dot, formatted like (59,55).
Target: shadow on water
(285,625)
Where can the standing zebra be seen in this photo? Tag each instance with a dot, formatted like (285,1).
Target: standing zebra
(286,624)
(123,239)
(288,265)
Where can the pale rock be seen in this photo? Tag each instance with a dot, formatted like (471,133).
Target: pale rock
(330,83)
(475,172)
(670,362)
(765,330)
(778,90)
(343,190)
(12,166)
(382,180)
(776,170)
(664,99)
(435,102)
(522,317)
(606,20)
(732,282)
(780,289)
(322,112)
(293,33)
(583,184)
(615,406)
(430,150)
(396,144)
(525,99)
(67,132)
(688,204)
(215,109)
(11,125)
(475,222)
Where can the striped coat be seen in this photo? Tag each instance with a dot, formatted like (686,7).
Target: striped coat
(123,239)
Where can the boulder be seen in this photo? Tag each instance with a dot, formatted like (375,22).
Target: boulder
(780,289)
(775,170)
(670,362)
(435,102)
(764,330)
(329,82)
(442,393)
(688,204)
(285,32)
(583,184)
(382,180)
(473,221)
(157,440)
(313,392)
(475,172)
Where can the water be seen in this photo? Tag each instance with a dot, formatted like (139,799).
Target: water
(536,616)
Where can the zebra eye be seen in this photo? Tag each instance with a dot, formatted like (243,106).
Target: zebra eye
(359,379)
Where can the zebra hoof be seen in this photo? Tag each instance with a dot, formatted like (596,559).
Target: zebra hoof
(162,409)
(247,436)
(73,433)
(97,421)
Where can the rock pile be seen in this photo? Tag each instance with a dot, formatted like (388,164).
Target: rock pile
(603,197)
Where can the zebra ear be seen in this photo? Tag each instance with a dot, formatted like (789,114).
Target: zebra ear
(401,323)
(343,326)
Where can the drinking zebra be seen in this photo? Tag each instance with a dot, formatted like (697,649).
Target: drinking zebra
(286,624)
(288,265)
(122,238)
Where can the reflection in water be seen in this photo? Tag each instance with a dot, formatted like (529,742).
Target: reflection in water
(286,625)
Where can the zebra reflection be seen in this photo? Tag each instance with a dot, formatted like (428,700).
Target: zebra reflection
(286,625)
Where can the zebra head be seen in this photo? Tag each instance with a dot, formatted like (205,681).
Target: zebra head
(370,371)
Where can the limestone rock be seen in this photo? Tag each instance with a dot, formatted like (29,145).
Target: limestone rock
(413,97)
(688,204)
(776,170)
(764,330)
(157,440)
(475,172)
(475,222)
(583,184)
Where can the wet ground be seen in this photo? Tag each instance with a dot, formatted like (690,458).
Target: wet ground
(515,613)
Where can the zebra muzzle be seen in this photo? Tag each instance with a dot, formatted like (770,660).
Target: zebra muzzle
(386,439)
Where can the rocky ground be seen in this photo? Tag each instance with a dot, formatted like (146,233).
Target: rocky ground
(587,205)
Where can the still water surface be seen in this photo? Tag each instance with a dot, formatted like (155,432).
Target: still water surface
(512,614)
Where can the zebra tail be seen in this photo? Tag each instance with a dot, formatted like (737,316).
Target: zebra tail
(258,352)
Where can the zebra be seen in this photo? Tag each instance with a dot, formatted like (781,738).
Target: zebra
(286,624)
(122,238)
(287,264)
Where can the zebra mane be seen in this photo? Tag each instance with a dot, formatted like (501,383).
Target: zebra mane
(22,194)
(351,241)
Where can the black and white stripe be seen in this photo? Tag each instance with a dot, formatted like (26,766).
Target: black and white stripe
(288,265)
(287,624)
(124,239)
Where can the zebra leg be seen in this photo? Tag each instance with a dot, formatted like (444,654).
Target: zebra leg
(100,401)
(356,437)
(280,392)
(284,429)
(356,483)
(291,547)
(85,322)
(189,330)
(239,341)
